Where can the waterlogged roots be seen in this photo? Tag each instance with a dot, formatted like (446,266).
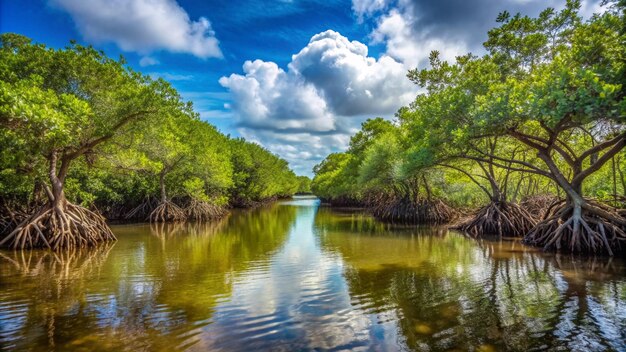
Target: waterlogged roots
(198,210)
(538,205)
(591,228)
(500,218)
(167,211)
(421,211)
(65,226)
(251,204)
(10,219)
(143,210)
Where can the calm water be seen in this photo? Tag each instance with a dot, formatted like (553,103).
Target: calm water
(294,276)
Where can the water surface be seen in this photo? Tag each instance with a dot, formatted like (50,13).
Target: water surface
(296,276)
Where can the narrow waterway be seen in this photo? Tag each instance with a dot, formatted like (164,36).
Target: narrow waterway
(296,276)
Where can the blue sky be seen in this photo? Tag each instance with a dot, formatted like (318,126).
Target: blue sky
(297,76)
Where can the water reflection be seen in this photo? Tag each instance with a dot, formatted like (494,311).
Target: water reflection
(155,290)
(294,276)
(444,292)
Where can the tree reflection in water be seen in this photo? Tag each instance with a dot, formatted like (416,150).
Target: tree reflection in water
(443,292)
(155,291)
(298,277)
(57,283)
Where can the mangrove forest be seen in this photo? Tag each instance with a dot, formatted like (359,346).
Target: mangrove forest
(526,140)
(240,176)
(85,139)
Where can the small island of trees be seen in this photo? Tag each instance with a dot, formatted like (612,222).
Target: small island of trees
(531,134)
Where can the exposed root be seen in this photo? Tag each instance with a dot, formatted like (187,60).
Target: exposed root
(407,211)
(167,211)
(590,228)
(143,210)
(500,218)
(65,226)
(199,210)
(538,205)
(10,218)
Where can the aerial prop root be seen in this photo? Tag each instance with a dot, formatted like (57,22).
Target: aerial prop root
(538,205)
(200,210)
(167,211)
(64,226)
(404,210)
(10,218)
(499,218)
(590,228)
(143,210)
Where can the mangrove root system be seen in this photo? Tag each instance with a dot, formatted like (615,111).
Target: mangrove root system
(499,218)
(250,204)
(167,211)
(407,211)
(199,210)
(10,219)
(64,225)
(538,205)
(143,210)
(584,228)
(342,202)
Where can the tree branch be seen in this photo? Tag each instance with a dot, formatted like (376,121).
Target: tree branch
(468,175)
(599,147)
(91,144)
(601,160)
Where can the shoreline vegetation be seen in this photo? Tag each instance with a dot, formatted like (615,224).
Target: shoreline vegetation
(84,138)
(524,141)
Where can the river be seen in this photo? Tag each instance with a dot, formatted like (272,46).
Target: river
(295,276)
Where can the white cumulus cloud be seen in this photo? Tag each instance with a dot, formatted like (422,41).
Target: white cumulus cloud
(368,7)
(351,82)
(412,47)
(267,97)
(411,29)
(143,26)
(310,109)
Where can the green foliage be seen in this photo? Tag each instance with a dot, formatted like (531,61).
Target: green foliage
(258,175)
(332,179)
(541,112)
(120,130)
(304,185)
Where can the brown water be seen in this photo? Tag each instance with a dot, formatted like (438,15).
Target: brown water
(294,276)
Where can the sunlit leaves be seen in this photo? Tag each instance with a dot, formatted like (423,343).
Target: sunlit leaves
(121,130)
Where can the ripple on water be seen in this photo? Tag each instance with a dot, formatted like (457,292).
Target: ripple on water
(300,278)
(13,315)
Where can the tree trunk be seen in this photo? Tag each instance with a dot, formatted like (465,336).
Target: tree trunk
(429,193)
(166,210)
(58,224)
(578,225)
(162,185)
